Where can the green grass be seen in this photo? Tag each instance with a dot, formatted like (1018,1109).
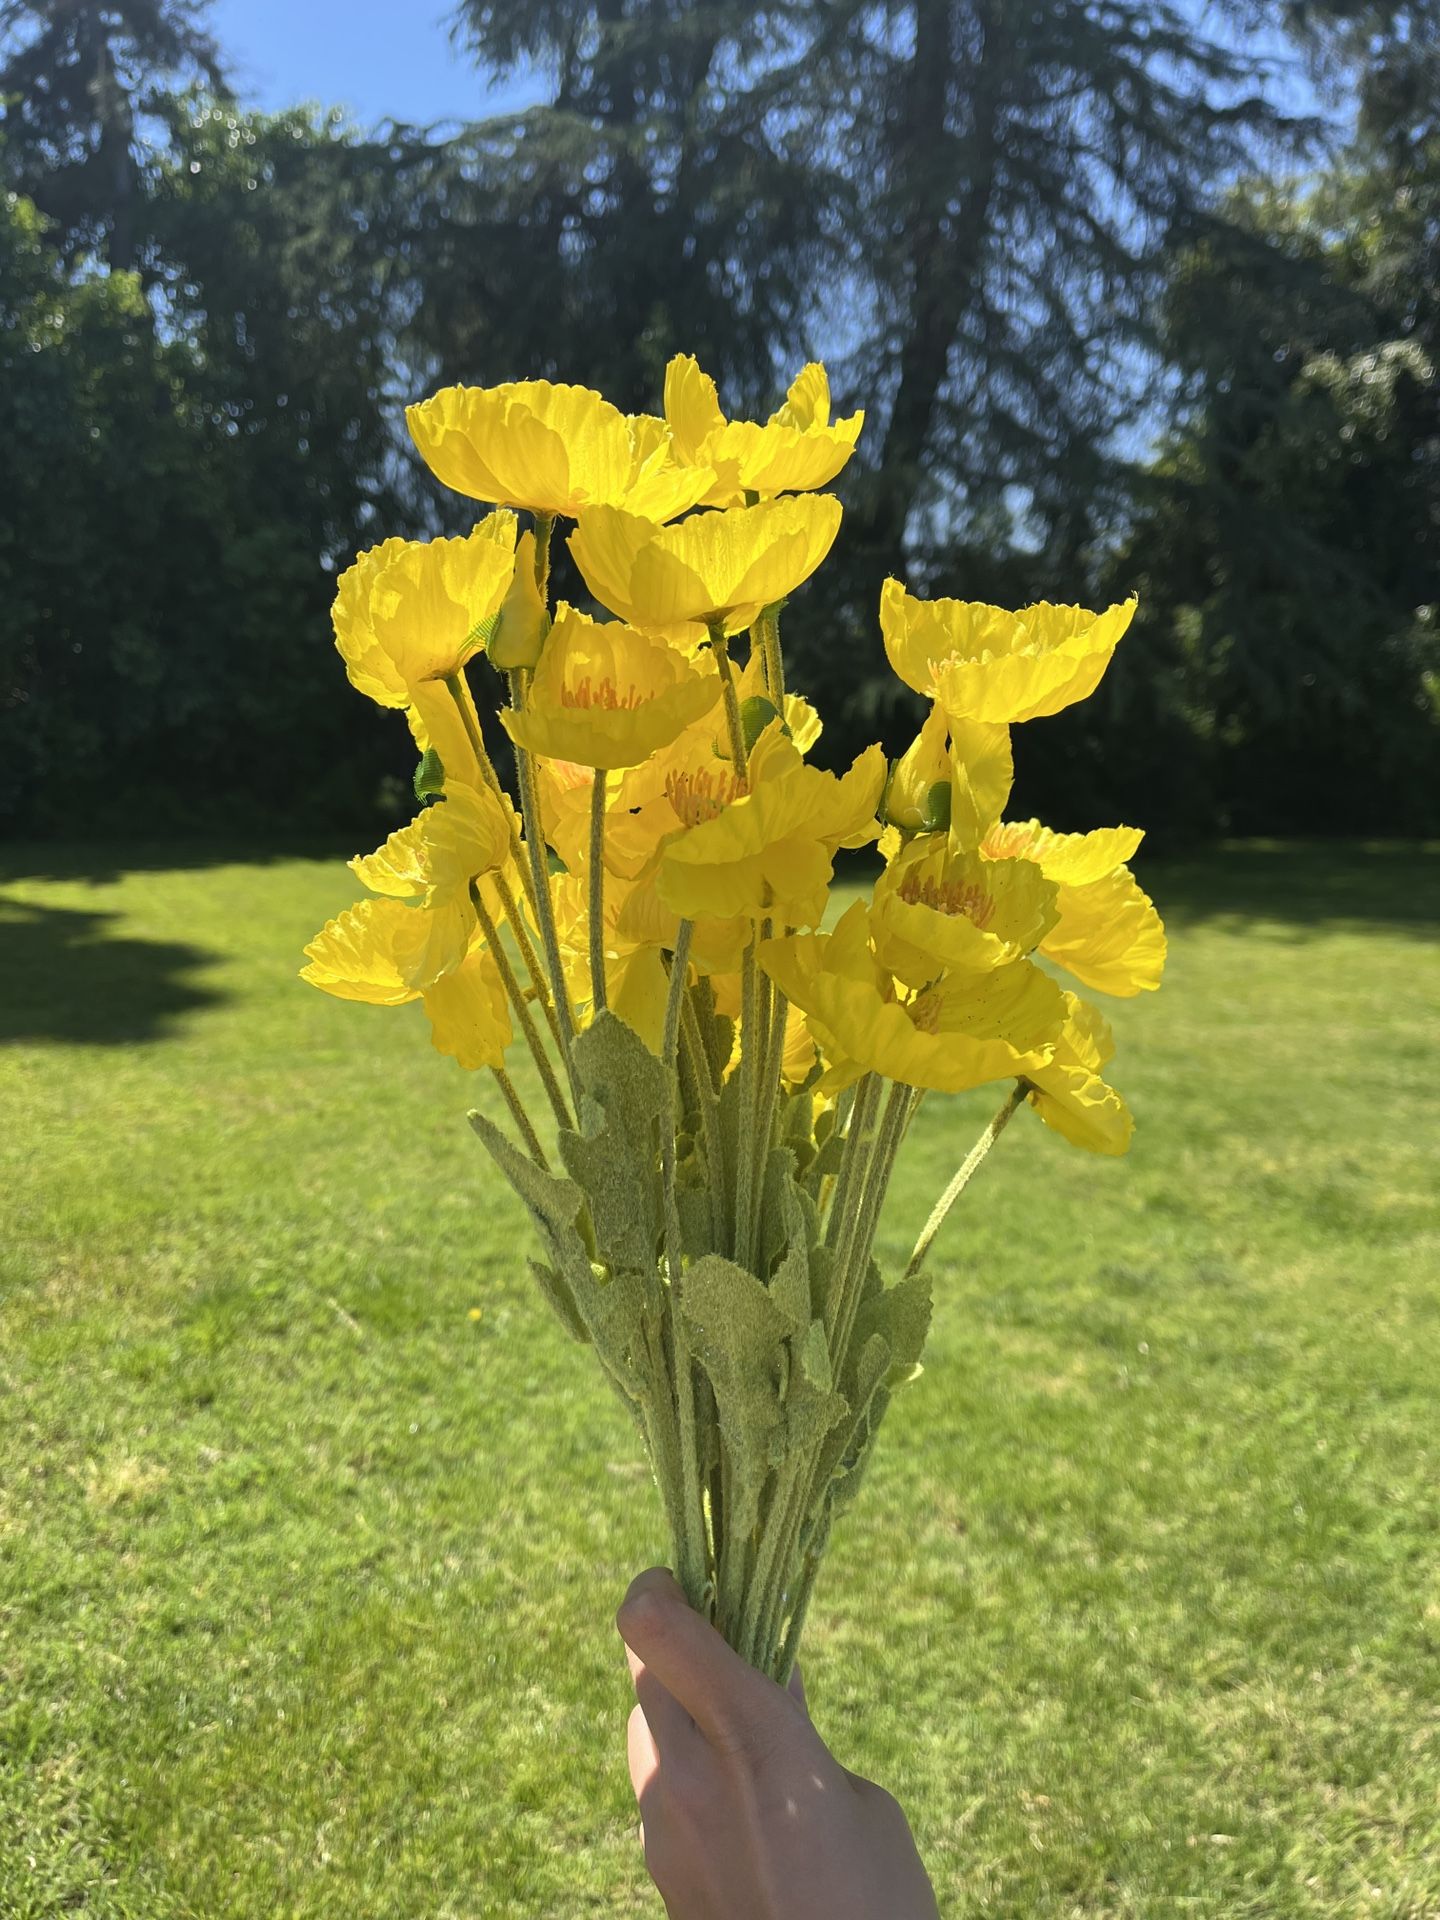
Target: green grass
(307,1575)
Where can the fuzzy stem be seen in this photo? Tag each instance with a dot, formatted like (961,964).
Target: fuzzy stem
(721,650)
(749,1082)
(544,905)
(963,1178)
(521,1117)
(769,625)
(597,891)
(527,953)
(522,1010)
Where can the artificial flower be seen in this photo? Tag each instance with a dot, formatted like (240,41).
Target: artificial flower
(796,451)
(983,663)
(385,952)
(1106,932)
(716,567)
(448,845)
(935,909)
(552,449)
(414,611)
(968,1029)
(764,846)
(606,696)
(1068,1093)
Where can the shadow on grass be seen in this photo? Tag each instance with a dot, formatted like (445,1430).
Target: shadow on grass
(65,977)
(1305,886)
(102,862)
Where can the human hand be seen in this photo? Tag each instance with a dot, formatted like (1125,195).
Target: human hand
(745,1814)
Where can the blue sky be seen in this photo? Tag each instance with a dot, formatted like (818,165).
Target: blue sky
(381,58)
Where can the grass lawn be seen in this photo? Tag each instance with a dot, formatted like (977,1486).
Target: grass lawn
(312,1522)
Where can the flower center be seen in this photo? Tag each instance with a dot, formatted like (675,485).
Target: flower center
(601,693)
(924,1011)
(698,797)
(950,897)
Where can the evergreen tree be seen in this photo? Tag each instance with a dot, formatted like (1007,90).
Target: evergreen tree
(79,79)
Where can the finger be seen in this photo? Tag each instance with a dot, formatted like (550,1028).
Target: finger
(726,1698)
(641,1752)
(795,1687)
(675,1734)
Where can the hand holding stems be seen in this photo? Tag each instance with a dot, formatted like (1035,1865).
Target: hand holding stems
(744,1810)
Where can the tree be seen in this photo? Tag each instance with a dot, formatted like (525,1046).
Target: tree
(968,205)
(173,495)
(79,78)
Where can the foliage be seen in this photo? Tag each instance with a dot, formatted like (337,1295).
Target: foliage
(313,1519)
(78,75)
(182,467)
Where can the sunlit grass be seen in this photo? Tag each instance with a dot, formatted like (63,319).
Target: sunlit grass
(307,1574)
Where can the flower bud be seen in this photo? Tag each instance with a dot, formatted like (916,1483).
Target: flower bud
(523,620)
(917,799)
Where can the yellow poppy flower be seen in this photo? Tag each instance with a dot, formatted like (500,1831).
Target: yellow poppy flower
(970,1029)
(604,695)
(1107,932)
(468,1012)
(636,983)
(384,952)
(413,611)
(795,452)
(917,796)
(552,449)
(935,909)
(1068,1093)
(443,849)
(802,722)
(983,663)
(523,619)
(765,847)
(1109,935)
(716,566)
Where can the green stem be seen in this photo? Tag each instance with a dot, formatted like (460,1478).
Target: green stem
(963,1178)
(597,891)
(855,1142)
(516,922)
(544,905)
(749,1082)
(521,1117)
(769,624)
(867,1203)
(522,1010)
(721,650)
(459,691)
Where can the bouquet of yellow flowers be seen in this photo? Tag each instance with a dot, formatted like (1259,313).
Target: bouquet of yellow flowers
(730,1069)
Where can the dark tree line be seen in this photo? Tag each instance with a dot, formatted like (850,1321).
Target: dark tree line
(1119,315)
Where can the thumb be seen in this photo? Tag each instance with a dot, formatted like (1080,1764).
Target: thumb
(725,1697)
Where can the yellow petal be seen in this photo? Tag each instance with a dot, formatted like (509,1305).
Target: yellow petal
(1072,859)
(430,605)
(547,447)
(469,1014)
(446,847)
(984,663)
(370,669)
(385,952)
(983,774)
(989,1026)
(1109,935)
(723,565)
(1068,1093)
(523,619)
(692,407)
(607,696)
(934,910)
